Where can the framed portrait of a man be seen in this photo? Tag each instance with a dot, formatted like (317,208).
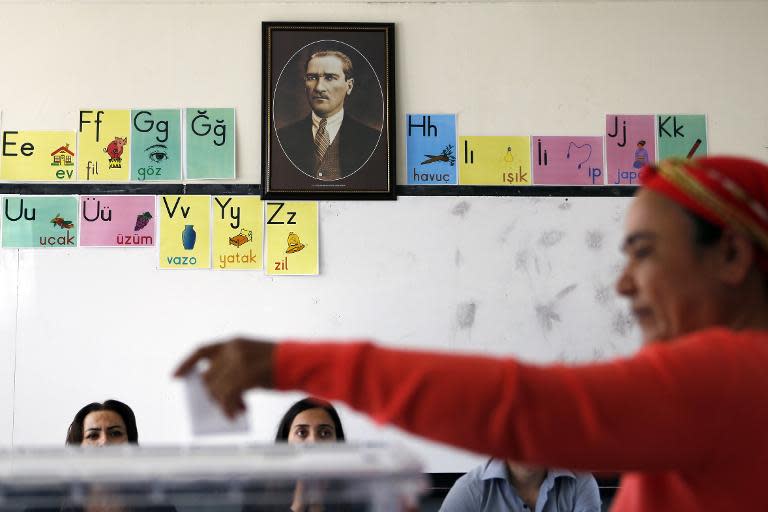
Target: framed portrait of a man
(328,111)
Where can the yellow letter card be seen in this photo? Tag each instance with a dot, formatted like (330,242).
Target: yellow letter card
(38,156)
(238,228)
(185,231)
(495,160)
(104,151)
(292,238)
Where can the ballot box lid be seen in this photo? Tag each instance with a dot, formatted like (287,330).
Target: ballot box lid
(262,477)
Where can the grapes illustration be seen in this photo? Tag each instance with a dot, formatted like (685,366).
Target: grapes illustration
(142,220)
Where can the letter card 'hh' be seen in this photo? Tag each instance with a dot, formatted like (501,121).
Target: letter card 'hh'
(431,146)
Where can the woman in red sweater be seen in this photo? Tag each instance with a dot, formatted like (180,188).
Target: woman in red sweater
(686,418)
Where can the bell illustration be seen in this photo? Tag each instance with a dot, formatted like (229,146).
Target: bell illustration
(294,244)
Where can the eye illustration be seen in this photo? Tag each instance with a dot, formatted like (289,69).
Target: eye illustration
(157,152)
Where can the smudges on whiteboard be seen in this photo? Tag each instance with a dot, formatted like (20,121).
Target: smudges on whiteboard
(547,316)
(465,315)
(461,209)
(622,323)
(603,295)
(551,238)
(506,232)
(566,291)
(594,240)
(521,260)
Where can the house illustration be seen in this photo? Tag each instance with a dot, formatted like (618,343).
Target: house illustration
(62,157)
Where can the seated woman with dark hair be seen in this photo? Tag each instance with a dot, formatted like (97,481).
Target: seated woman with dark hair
(97,425)
(310,420)
(101,424)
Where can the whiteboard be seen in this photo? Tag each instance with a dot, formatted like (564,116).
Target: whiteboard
(495,275)
(8,311)
(473,274)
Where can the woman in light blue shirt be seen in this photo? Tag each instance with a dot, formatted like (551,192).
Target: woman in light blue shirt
(500,485)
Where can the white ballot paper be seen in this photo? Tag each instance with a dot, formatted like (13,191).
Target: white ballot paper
(205,415)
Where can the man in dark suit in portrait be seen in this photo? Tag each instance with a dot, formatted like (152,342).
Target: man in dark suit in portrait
(328,144)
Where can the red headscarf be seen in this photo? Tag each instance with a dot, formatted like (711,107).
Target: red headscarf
(727,191)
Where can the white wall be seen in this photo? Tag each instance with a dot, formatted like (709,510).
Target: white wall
(94,324)
(505,68)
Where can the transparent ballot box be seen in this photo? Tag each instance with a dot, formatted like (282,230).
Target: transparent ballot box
(332,477)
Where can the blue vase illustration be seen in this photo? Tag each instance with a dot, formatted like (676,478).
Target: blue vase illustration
(188,237)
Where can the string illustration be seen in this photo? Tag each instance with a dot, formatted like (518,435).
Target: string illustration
(577,146)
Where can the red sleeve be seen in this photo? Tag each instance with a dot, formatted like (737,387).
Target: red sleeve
(666,407)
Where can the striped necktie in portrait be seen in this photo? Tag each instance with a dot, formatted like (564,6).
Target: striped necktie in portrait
(322,141)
